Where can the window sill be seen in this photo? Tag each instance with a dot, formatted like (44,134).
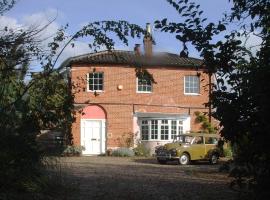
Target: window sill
(97,91)
(157,140)
(192,94)
(141,92)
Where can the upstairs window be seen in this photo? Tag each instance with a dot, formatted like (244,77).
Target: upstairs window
(144,85)
(95,81)
(192,85)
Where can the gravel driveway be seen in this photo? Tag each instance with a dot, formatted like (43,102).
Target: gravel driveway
(131,178)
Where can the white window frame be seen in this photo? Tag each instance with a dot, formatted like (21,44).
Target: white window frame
(159,128)
(150,131)
(187,93)
(137,87)
(87,82)
(148,124)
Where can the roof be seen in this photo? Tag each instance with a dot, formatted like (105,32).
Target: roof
(130,58)
(160,115)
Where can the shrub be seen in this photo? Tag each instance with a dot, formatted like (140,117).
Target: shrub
(73,151)
(123,152)
(205,124)
(141,150)
(227,152)
(126,140)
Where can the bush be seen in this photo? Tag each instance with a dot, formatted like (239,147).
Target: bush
(123,152)
(126,140)
(141,150)
(73,151)
(228,152)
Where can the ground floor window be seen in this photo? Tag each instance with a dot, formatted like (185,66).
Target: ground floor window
(160,129)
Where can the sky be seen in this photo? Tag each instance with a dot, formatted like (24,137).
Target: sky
(80,12)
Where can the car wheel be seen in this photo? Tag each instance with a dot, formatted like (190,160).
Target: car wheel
(214,159)
(184,159)
(163,162)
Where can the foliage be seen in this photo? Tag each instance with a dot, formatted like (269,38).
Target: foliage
(227,152)
(73,150)
(6,5)
(51,103)
(144,73)
(206,125)
(241,96)
(30,104)
(123,152)
(141,150)
(126,140)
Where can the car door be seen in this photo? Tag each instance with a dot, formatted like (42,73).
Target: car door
(210,145)
(197,148)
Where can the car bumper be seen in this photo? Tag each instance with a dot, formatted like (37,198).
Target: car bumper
(166,157)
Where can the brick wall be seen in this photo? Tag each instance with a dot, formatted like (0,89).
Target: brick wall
(167,96)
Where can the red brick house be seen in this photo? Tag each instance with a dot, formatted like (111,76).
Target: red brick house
(111,100)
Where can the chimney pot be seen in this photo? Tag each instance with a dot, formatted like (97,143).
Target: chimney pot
(148,28)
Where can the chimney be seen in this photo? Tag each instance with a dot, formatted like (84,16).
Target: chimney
(147,41)
(137,49)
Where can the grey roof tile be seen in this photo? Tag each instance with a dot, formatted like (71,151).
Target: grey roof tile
(130,58)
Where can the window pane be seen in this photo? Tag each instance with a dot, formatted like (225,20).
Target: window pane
(91,87)
(90,81)
(100,81)
(100,87)
(145,130)
(211,140)
(95,81)
(95,75)
(164,121)
(192,84)
(173,129)
(144,88)
(154,129)
(180,130)
(164,130)
(198,140)
(144,85)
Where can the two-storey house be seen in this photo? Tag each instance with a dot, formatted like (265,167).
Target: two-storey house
(112,100)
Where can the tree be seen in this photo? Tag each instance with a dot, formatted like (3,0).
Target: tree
(30,105)
(241,94)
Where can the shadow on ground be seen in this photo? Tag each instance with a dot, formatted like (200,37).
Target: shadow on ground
(154,161)
(125,178)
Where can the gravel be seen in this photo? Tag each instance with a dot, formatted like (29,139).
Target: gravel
(117,178)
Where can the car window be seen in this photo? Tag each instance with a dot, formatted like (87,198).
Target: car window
(183,139)
(187,139)
(211,140)
(198,140)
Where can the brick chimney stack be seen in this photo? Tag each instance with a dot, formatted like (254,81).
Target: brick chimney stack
(147,41)
(137,49)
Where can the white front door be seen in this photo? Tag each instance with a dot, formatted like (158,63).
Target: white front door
(91,136)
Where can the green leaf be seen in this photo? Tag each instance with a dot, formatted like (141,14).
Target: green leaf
(164,21)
